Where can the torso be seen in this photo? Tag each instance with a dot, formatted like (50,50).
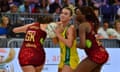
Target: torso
(34,37)
(68,55)
(96,52)
(32,51)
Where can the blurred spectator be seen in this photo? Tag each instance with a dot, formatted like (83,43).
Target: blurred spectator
(3,26)
(13,13)
(53,6)
(57,11)
(11,34)
(68,3)
(65,3)
(34,1)
(36,9)
(4,6)
(79,3)
(118,14)
(110,33)
(13,9)
(76,10)
(97,13)
(115,32)
(25,7)
(44,6)
(3,32)
(117,29)
(111,2)
(11,2)
(99,3)
(107,13)
(19,2)
(102,31)
(117,1)
(116,7)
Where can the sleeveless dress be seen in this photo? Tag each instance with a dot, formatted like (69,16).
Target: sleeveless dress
(32,52)
(68,56)
(96,52)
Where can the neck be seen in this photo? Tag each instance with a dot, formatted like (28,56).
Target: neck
(65,23)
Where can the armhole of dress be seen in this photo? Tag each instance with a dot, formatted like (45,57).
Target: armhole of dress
(66,30)
(92,27)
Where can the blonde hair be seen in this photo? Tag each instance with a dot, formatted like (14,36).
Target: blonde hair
(71,11)
(4,22)
(116,21)
(3,17)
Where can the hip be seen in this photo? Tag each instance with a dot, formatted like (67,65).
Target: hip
(99,56)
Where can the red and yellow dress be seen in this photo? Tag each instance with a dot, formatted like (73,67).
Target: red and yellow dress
(96,52)
(32,51)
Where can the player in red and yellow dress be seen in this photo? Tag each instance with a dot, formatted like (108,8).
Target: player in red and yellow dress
(97,55)
(32,54)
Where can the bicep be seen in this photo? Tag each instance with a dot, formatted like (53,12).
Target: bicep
(71,34)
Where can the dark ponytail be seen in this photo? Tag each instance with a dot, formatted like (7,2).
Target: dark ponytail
(90,16)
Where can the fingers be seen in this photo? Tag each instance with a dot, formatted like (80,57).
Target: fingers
(59,23)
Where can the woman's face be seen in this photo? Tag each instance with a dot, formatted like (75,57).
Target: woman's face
(65,15)
(79,16)
(14,9)
(77,11)
(5,21)
(118,25)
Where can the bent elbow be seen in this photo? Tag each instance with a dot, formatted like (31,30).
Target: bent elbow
(82,46)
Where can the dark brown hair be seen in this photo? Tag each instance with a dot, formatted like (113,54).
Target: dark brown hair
(45,19)
(90,16)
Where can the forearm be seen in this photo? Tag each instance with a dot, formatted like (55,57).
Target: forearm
(67,42)
(17,30)
(79,46)
(55,40)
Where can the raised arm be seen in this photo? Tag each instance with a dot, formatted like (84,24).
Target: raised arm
(21,28)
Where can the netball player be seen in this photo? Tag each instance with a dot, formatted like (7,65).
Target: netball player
(66,35)
(97,55)
(32,54)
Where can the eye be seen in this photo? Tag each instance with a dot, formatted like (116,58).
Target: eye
(65,13)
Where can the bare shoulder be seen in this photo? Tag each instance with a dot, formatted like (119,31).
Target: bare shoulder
(87,27)
(82,25)
(71,28)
